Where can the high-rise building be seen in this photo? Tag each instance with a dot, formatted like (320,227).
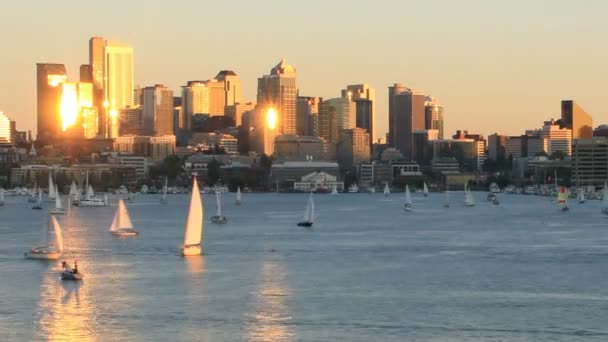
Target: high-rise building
(236,111)
(118,83)
(353,147)
(307,109)
(422,145)
(328,124)
(589,161)
(131,121)
(576,119)
(158,111)
(558,139)
(406,114)
(278,90)
(433,115)
(5,129)
(516,147)
(497,146)
(232,87)
(86,73)
(365,97)
(346,111)
(50,78)
(97,62)
(265,130)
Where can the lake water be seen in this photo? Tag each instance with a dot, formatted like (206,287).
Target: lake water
(368,271)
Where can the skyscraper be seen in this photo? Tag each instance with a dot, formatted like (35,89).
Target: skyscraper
(118,81)
(158,110)
(365,97)
(50,78)
(232,87)
(433,115)
(97,69)
(307,110)
(5,129)
(406,114)
(278,90)
(576,119)
(354,147)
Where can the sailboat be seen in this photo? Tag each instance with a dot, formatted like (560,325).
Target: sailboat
(163,199)
(425,190)
(495,201)
(581,196)
(193,233)
(91,200)
(238,195)
(408,199)
(309,213)
(469,201)
(38,205)
(562,199)
(334,190)
(387,190)
(52,190)
(58,210)
(218,217)
(48,251)
(605,199)
(32,198)
(446,204)
(1,197)
(74,193)
(121,224)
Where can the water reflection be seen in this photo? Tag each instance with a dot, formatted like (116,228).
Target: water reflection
(65,310)
(195,264)
(270,320)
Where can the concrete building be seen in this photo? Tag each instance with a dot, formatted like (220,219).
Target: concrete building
(577,120)
(295,147)
(328,126)
(162,147)
(278,90)
(353,147)
(375,173)
(406,114)
(155,147)
(307,115)
(5,129)
(236,111)
(557,138)
(433,116)
(157,110)
(318,182)
(206,141)
(293,171)
(233,93)
(131,121)
(590,161)
(139,163)
(422,145)
(468,152)
(515,147)
(50,78)
(118,83)
(497,146)
(364,98)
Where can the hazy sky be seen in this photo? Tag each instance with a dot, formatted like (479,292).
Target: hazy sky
(495,65)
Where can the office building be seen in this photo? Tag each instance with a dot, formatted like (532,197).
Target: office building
(589,161)
(157,147)
(50,78)
(557,138)
(353,147)
(295,147)
(422,145)
(278,90)
(158,111)
(97,63)
(232,87)
(497,146)
(515,147)
(364,112)
(5,129)
(576,119)
(406,114)
(131,121)
(433,116)
(236,111)
(264,131)
(307,112)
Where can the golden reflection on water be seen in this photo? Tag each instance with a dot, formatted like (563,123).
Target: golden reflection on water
(195,264)
(270,320)
(65,310)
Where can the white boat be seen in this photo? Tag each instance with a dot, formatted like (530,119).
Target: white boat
(353,188)
(193,233)
(425,190)
(121,224)
(218,218)
(491,196)
(144,189)
(334,190)
(387,190)
(90,192)
(74,192)
(446,204)
(52,190)
(604,201)
(50,250)
(163,199)
(58,210)
(494,188)
(309,213)
(495,201)
(372,190)
(32,198)
(238,195)
(38,205)
(1,196)
(469,201)
(407,206)
(94,202)
(562,199)
(581,196)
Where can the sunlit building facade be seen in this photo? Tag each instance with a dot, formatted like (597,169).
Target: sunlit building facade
(50,78)
(5,129)
(364,112)
(157,110)
(406,114)
(118,83)
(236,111)
(433,116)
(307,111)
(576,119)
(353,147)
(232,87)
(278,90)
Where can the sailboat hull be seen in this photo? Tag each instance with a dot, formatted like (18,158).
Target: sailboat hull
(42,255)
(407,207)
(55,211)
(68,275)
(37,207)
(305,224)
(125,232)
(191,250)
(219,219)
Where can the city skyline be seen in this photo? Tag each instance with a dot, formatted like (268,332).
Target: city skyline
(473,59)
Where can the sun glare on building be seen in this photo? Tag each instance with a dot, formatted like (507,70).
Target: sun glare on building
(271,118)
(69,105)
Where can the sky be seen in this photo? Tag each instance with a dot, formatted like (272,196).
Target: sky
(496,66)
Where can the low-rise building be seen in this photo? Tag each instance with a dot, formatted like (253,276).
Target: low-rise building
(318,182)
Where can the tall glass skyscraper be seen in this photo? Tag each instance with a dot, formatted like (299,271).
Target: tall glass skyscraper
(278,90)
(50,78)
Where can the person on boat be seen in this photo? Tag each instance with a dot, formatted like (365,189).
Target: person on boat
(65,266)
(75,270)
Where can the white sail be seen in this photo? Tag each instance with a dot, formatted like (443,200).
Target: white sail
(73,189)
(165,189)
(105,199)
(58,234)
(58,202)
(39,196)
(468,197)
(425,190)
(1,195)
(387,190)
(90,192)
(218,204)
(605,198)
(408,196)
(309,212)
(194,223)
(121,218)
(52,192)
(581,196)
(238,195)
(447,198)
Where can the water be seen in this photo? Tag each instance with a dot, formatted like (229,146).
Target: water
(368,271)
